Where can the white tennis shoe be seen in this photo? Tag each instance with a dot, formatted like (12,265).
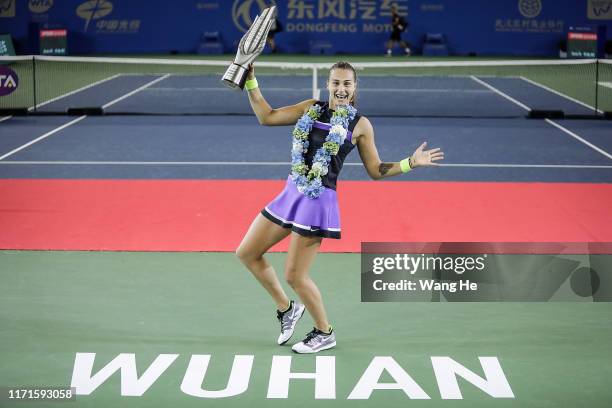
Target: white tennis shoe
(288,319)
(315,341)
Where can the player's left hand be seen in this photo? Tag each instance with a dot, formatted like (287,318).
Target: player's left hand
(422,157)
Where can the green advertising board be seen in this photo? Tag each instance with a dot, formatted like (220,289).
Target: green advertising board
(6,45)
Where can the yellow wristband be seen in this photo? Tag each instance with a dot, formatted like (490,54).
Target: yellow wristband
(405,165)
(251,84)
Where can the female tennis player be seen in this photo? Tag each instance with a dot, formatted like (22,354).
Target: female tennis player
(307,208)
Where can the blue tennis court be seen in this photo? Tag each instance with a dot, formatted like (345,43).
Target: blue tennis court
(116,217)
(187,147)
(476,113)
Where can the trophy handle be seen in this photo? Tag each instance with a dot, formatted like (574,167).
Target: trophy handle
(235,77)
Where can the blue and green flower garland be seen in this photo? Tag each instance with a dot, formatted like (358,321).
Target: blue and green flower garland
(308,181)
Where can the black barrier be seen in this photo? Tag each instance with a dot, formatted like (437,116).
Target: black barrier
(90,111)
(546,114)
(14,112)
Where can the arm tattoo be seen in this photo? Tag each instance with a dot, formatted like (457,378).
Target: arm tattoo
(384,168)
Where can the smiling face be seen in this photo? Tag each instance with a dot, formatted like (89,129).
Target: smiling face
(342,86)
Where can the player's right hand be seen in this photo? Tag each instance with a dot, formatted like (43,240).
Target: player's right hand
(251,74)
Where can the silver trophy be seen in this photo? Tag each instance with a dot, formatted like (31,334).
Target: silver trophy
(251,45)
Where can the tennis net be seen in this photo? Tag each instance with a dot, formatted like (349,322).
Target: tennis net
(507,88)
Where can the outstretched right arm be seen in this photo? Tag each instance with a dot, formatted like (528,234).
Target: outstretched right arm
(268,116)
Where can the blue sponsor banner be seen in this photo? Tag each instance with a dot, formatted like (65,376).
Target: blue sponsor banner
(484,27)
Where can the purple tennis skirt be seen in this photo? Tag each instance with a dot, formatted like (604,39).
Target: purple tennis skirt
(311,218)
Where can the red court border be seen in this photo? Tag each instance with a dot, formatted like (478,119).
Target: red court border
(213,215)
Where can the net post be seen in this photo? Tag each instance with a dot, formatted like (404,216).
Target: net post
(596,86)
(315,87)
(34,82)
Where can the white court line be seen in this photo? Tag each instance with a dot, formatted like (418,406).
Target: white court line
(148,84)
(81,117)
(414,90)
(224,89)
(426,90)
(65,125)
(497,91)
(323,65)
(67,94)
(535,166)
(204,163)
(558,126)
(157,163)
(559,93)
(575,136)
(75,91)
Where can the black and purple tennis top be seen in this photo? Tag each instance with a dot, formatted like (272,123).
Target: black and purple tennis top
(316,138)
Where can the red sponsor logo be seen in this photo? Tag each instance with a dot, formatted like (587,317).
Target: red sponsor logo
(53,33)
(582,36)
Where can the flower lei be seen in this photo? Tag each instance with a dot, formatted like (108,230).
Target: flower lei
(308,181)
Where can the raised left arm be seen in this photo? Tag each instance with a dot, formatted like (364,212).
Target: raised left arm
(376,168)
